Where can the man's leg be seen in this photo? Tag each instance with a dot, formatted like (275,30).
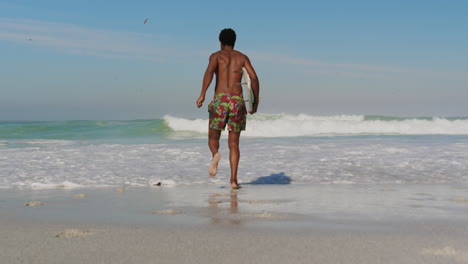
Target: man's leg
(213,144)
(213,140)
(234,155)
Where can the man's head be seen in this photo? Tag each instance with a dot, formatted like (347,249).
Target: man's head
(227,37)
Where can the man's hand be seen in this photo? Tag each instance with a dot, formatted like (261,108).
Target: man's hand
(254,108)
(200,101)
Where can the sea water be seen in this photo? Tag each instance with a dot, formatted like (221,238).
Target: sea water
(275,149)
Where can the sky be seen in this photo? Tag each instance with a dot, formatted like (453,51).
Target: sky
(98,60)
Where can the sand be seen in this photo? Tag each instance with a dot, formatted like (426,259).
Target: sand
(258,224)
(39,243)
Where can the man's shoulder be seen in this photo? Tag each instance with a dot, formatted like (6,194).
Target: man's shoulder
(240,53)
(214,54)
(222,54)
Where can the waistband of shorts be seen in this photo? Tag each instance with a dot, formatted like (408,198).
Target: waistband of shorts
(228,94)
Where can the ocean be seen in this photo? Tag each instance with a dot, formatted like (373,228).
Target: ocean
(275,149)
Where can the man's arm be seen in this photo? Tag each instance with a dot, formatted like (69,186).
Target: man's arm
(255,84)
(207,78)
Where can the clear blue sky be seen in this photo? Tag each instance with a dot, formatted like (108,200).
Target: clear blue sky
(64,60)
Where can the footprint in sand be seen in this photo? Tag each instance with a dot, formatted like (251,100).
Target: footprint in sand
(460,199)
(34,203)
(446,252)
(67,233)
(167,212)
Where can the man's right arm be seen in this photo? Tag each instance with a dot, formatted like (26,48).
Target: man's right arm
(207,78)
(255,84)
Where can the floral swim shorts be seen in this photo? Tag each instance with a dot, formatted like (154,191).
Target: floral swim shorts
(228,108)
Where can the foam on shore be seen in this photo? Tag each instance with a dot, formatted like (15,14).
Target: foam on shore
(394,160)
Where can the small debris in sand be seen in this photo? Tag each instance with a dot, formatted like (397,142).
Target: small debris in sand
(460,199)
(167,212)
(161,182)
(80,195)
(34,203)
(74,233)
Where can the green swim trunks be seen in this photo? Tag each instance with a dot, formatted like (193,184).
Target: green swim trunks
(228,108)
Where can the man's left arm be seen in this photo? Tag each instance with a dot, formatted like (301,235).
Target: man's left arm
(255,84)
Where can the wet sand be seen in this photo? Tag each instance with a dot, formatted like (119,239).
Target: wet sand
(257,224)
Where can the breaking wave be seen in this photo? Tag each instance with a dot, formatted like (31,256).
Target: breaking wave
(284,125)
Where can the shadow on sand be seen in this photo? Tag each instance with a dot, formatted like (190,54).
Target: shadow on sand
(275,178)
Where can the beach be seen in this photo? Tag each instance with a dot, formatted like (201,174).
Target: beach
(257,224)
(344,123)
(319,189)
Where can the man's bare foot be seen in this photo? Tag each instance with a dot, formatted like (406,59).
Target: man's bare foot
(213,169)
(235,186)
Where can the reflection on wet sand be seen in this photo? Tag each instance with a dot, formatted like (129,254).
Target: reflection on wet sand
(220,214)
(223,208)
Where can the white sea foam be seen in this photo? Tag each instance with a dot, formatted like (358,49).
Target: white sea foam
(341,160)
(49,185)
(306,125)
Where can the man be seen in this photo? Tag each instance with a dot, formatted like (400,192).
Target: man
(227,106)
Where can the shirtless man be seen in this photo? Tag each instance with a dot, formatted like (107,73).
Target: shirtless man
(227,106)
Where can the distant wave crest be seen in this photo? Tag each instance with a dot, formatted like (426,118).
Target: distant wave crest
(284,125)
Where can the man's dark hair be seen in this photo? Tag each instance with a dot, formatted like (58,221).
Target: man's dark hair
(227,37)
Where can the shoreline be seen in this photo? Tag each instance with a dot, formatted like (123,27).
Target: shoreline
(259,223)
(283,202)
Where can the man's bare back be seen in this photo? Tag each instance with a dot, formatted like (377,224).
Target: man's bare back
(229,71)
